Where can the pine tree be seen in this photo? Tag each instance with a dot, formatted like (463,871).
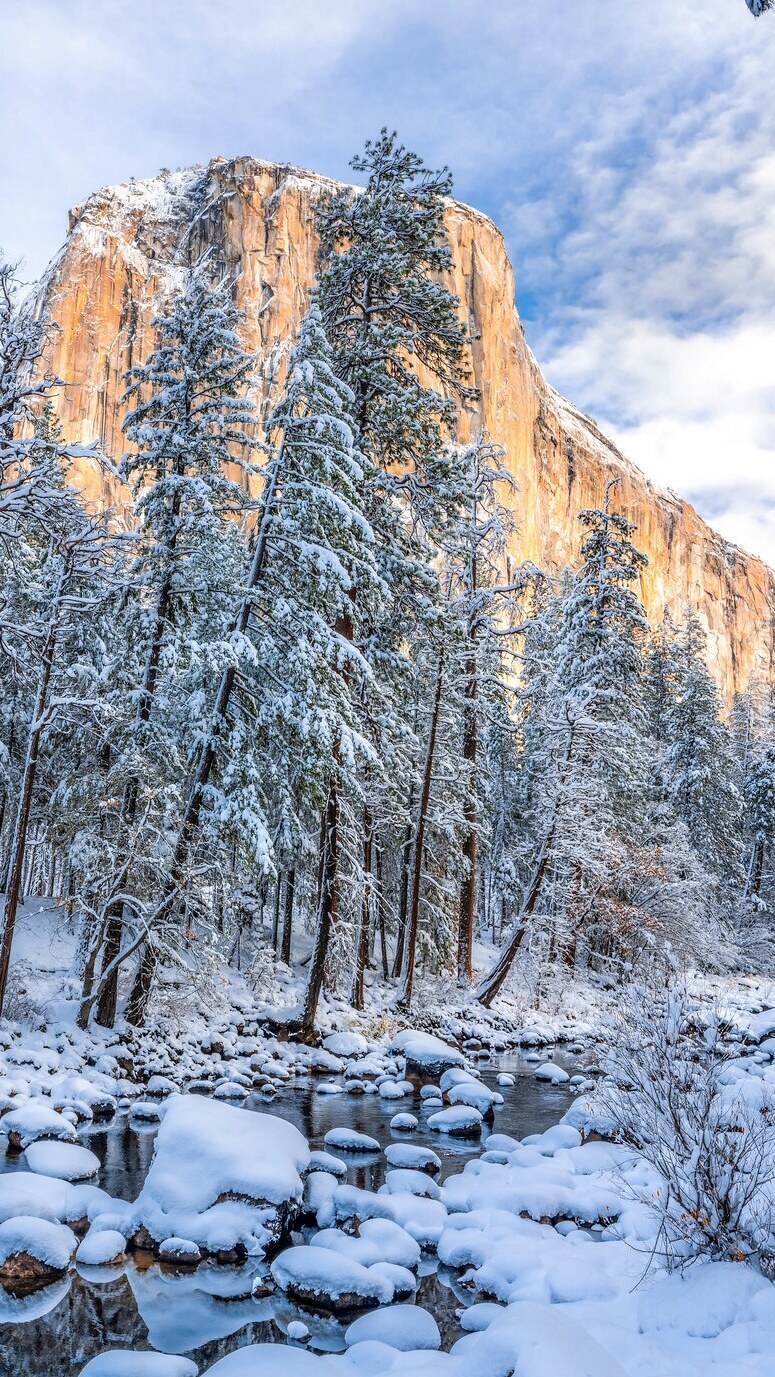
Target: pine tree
(190,426)
(698,764)
(589,761)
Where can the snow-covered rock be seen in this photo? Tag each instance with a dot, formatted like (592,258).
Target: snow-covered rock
(326,1280)
(459,1121)
(68,1161)
(101,1248)
(549,1072)
(223,1177)
(404,1327)
(33,1250)
(124,1362)
(349,1140)
(346,1044)
(33,1121)
(476,1096)
(426,1056)
(403,1123)
(414,1158)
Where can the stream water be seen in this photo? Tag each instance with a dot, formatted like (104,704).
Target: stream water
(210,1312)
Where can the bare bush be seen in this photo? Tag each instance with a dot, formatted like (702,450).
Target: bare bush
(706,1127)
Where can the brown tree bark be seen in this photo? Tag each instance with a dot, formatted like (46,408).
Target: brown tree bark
(362,947)
(465,932)
(290,887)
(327,911)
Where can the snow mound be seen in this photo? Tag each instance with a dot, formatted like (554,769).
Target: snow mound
(403,1123)
(414,1158)
(27,1193)
(554,1074)
(403,1327)
(426,1056)
(220,1176)
(268,1360)
(346,1044)
(68,1161)
(101,1247)
(459,1121)
(348,1140)
(121,1362)
(328,1280)
(51,1245)
(33,1121)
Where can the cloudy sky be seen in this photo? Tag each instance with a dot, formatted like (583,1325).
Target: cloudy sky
(627,152)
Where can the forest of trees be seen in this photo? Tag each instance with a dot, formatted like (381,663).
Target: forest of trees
(303,703)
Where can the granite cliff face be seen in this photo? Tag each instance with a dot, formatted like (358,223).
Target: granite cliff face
(128,246)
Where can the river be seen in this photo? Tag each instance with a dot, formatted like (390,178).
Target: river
(210,1312)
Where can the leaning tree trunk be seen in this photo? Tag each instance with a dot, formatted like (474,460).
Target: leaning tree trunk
(413,919)
(494,980)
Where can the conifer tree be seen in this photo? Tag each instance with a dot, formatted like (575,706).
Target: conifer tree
(189,428)
(698,763)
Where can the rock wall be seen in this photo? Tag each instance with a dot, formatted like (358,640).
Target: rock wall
(128,247)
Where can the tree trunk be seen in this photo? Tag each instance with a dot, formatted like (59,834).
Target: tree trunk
(362,948)
(493,981)
(290,886)
(141,987)
(381,913)
(327,911)
(405,997)
(276,915)
(403,893)
(108,1000)
(465,932)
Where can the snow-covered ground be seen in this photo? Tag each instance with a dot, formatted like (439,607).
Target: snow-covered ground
(549,1241)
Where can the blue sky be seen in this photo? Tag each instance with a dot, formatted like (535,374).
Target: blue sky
(627,152)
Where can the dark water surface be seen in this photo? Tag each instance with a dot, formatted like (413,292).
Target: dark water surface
(210,1312)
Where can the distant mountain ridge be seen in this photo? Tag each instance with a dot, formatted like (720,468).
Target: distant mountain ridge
(128,245)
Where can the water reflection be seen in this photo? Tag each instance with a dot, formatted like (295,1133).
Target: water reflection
(210,1312)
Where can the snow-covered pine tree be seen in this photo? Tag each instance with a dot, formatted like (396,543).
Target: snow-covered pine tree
(70,575)
(321,549)
(389,317)
(589,766)
(759,7)
(284,734)
(478,597)
(191,436)
(698,763)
